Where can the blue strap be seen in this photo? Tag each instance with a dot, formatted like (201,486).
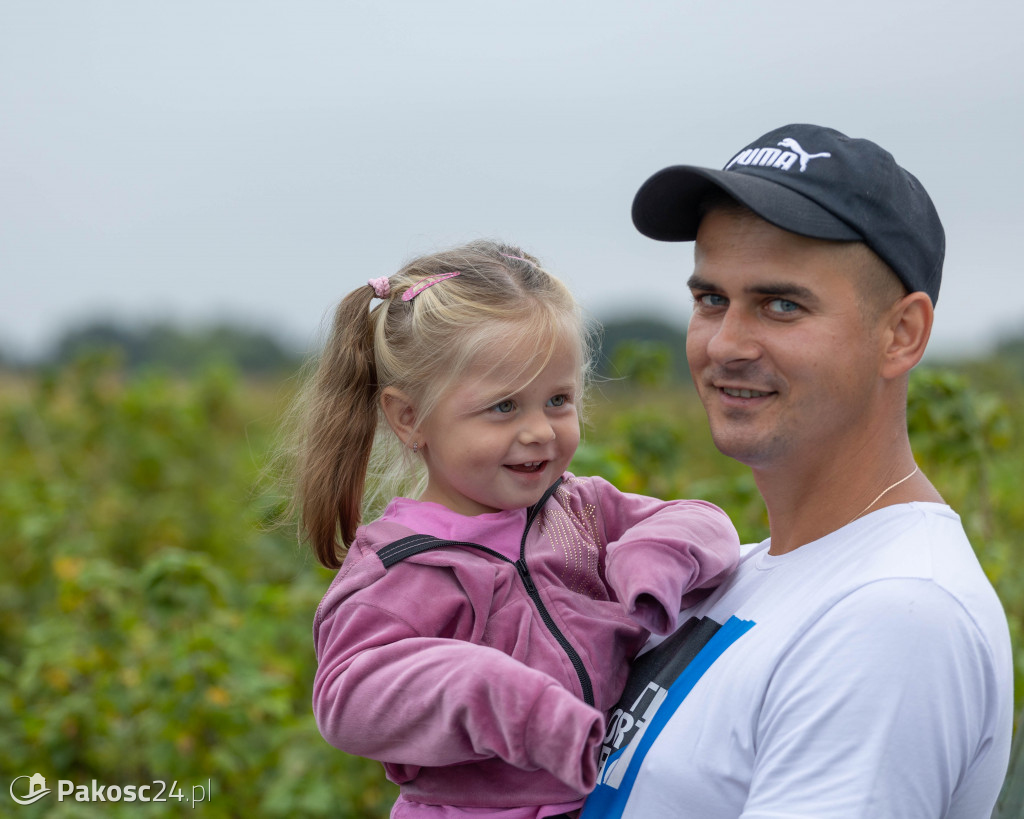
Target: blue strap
(609,801)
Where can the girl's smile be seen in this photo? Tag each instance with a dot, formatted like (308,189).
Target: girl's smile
(487,449)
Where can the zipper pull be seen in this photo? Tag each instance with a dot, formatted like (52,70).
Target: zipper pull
(524,573)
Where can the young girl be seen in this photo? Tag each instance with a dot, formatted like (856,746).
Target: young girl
(475,635)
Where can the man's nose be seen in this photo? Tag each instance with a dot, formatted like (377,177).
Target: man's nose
(734,338)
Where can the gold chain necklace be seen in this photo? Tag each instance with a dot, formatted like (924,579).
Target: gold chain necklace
(882,493)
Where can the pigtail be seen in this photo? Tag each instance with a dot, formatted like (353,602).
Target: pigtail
(340,424)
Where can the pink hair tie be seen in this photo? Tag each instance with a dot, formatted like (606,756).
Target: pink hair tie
(381,287)
(423,284)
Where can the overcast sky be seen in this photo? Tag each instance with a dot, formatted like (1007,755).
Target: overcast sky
(255,161)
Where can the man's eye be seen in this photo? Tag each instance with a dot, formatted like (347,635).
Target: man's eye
(710,300)
(783,306)
(505,406)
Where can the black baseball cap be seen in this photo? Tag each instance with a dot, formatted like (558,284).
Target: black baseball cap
(816,182)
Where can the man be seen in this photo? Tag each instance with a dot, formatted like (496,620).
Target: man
(858,663)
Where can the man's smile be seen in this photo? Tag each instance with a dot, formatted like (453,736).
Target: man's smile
(738,392)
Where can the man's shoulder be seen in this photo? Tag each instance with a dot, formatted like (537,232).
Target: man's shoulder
(927,541)
(897,546)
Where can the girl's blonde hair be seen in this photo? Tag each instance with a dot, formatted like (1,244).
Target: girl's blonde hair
(501,298)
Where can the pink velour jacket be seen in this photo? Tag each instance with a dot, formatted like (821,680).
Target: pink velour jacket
(444,668)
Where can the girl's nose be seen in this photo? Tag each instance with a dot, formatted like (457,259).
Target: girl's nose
(536,429)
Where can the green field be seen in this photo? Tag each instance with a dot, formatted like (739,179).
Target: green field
(155,610)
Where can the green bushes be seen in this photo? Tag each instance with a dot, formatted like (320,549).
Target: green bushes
(155,622)
(152,627)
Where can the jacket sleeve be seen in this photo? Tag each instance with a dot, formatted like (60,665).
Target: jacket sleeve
(662,556)
(386,690)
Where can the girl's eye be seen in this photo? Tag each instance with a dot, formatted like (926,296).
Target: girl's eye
(505,406)
(783,306)
(558,400)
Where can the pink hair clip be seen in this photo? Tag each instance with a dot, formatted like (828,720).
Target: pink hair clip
(423,284)
(520,258)
(381,287)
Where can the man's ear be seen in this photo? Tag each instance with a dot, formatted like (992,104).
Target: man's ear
(400,413)
(908,328)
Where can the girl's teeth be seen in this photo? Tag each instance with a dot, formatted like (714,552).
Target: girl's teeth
(532,466)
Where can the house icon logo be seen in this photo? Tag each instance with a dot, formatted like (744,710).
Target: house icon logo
(36,789)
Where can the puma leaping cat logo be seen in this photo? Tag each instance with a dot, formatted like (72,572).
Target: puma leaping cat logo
(805,157)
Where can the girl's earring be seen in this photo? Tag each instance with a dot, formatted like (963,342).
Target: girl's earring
(415,446)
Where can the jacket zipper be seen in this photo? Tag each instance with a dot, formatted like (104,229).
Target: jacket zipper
(563,641)
(523,569)
(531,589)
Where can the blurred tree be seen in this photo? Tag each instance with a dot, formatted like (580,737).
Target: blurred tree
(644,335)
(647,363)
(182,351)
(1010,351)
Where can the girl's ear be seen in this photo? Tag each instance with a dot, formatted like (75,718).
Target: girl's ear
(400,413)
(908,329)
